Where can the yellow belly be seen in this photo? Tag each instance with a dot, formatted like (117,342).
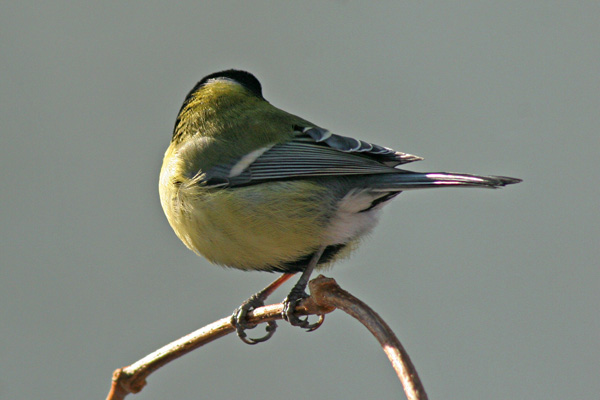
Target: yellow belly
(254,227)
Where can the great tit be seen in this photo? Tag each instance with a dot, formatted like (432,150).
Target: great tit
(253,187)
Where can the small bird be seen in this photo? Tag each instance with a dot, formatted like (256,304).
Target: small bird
(252,187)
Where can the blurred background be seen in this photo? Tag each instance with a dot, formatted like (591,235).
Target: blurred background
(494,294)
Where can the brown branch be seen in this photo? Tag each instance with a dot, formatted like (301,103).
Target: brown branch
(325,297)
(326,291)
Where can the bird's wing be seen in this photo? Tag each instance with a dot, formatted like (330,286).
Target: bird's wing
(312,152)
(384,155)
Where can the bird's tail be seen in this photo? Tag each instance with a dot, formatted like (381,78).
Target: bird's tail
(406,180)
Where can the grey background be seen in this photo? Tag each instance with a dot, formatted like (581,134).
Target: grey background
(495,294)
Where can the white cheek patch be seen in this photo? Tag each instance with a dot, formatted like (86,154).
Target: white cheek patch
(245,161)
(349,222)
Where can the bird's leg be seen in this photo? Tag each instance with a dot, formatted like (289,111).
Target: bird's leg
(239,319)
(298,293)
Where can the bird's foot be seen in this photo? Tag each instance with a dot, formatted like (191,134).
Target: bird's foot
(289,311)
(239,319)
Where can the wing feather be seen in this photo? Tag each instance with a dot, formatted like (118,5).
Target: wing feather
(313,152)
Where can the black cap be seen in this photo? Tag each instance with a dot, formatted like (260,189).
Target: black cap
(246,79)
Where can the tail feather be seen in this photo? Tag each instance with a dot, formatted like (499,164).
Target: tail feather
(406,180)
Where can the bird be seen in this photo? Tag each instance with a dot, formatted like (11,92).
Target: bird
(252,187)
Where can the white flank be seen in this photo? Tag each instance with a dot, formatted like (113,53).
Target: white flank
(349,222)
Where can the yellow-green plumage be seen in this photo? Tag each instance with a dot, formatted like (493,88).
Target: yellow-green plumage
(245,227)
(230,120)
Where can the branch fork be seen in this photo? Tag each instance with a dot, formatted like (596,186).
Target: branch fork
(325,296)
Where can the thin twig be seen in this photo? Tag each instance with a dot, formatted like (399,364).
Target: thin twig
(325,296)
(326,291)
